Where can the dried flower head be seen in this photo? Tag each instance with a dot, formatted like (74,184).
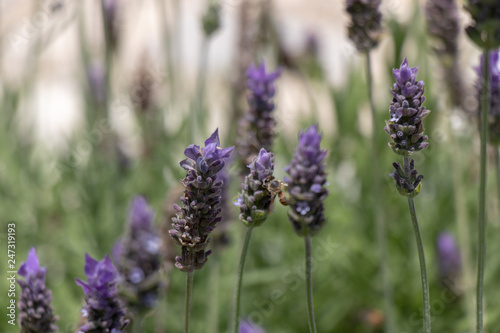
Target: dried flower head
(201,210)
(256,129)
(365,27)
(254,200)
(407,112)
(103,310)
(494,75)
(35,312)
(485,27)
(307,183)
(138,258)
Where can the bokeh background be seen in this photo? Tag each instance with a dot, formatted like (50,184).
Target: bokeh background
(96,108)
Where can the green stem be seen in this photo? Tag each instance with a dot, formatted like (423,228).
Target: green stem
(377,204)
(309,285)
(239,280)
(481,253)
(497,166)
(212,318)
(137,324)
(189,291)
(421,257)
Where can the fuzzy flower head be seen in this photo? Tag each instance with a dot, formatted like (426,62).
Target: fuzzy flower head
(36,314)
(494,117)
(138,258)
(255,200)
(443,23)
(448,253)
(256,129)
(307,183)
(247,326)
(407,112)
(103,310)
(365,27)
(200,211)
(485,27)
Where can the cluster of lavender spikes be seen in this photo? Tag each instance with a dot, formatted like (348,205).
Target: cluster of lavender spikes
(405,126)
(365,27)
(138,260)
(254,200)
(494,118)
(36,314)
(485,28)
(307,184)
(201,210)
(256,129)
(103,310)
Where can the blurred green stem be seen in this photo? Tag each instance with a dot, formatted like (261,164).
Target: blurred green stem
(421,256)
(212,318)
(189,291)
(379,220)
(497,166)
(481,253)
(239,280)
(309,284)
(137,322)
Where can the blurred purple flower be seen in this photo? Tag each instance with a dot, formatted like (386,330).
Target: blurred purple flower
(103,310)
(365,27)
(246,326)
(494,118)
(448,253)
(35,312)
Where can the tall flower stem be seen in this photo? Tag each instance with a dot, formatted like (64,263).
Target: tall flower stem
(309,284)
(189,292)
(379,220)
(239,279)
(137,324)
(497,167)
(421,257)
(481,253)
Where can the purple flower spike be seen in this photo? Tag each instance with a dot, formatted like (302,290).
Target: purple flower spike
(494,118)
(138,258)
(450,263)
(247,326)
(365,27)
(103,310)
(200,212)
(443,23)
(255,200)
(256,129)
(36,314)
(407,112)
(307,183)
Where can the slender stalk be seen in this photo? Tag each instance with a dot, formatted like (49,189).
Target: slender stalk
(189,291)
(309,285)
(421,257)
(377,204)
(497,167)
(481,253)
(239,280)
(212,318)
(137,324)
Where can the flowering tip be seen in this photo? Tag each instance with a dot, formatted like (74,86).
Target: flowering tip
(141,215)
(31,266)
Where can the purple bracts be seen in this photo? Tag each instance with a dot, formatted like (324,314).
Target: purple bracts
(256,129)
(365,27)
(494,118)
(103,310)
(255,200)
(200,211)
(138,258)
(35,312)
(307,183)
(407,112)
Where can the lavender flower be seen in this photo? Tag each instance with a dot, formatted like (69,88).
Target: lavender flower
(307,183)
(254,200)
(201,210)
(443,23)
(407,112)
(246,326)
(103,309)
(110,11)
(36,314)
(485,28)
(365,27)
(408,186)
(138,258)
(448,253)
(256,129)
(494,118)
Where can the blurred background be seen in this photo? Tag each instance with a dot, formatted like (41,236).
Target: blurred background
(100,98)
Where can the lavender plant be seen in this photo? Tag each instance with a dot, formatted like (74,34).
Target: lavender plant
(247,326)
(307,192)
(254,202)
(200,212)
(365,27)
(449,260)
(484,31)
(103,311)
(256,129)
(35,312)
(407,133)
(137,259)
